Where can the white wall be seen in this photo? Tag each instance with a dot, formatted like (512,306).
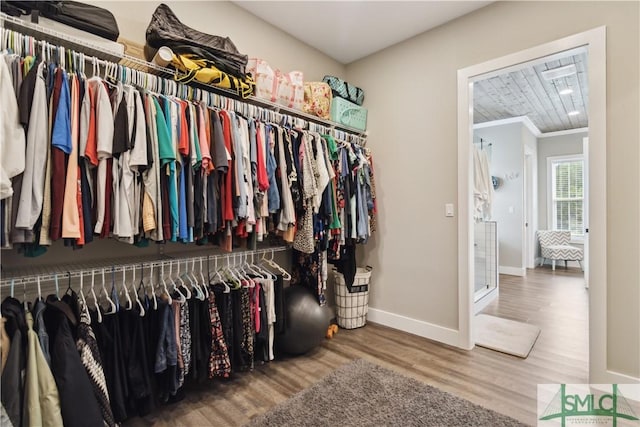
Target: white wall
(251,35)
(506,154)
(411,91)
(550,147)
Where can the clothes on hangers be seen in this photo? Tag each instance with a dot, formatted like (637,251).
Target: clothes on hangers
(125,365)
(133,165)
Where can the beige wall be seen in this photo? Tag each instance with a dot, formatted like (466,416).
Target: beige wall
(412,99)
(251,35)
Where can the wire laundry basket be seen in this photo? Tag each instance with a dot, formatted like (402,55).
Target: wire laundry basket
(352,305)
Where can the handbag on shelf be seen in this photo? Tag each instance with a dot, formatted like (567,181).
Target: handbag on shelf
(345,90)
(191,67)
(273,85)
(317,99)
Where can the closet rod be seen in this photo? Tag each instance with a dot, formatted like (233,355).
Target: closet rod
(120,267)
(88,48)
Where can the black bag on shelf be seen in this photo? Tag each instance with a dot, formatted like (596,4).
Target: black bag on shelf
(85,17)
(344,89)
(165,29)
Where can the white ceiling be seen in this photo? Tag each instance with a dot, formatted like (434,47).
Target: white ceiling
(523,91)
(350,30)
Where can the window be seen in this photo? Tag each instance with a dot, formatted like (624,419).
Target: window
(567,194)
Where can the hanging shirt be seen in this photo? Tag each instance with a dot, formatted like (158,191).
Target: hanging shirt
(271,166)
(12,137)
(70,214)
(227,186)
(203,139)
(60,140)
(31,197)
(102,150)
(152,205)
(167,157)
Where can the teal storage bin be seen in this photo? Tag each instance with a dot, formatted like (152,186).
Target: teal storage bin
(349,114)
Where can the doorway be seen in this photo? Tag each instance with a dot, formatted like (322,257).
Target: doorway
(594,40)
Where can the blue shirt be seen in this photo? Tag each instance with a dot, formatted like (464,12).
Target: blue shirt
(61,135)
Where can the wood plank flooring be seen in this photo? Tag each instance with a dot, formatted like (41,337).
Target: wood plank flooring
(555,301)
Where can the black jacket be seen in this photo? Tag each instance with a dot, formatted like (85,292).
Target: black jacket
(77,401)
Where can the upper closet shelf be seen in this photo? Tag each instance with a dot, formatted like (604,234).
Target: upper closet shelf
(114,55)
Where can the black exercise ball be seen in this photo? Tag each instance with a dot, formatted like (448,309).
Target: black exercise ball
(306,321)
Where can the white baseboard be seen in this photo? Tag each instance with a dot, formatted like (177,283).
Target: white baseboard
(414,326)
(512,271)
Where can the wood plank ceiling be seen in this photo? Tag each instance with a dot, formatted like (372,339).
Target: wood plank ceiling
(525,92)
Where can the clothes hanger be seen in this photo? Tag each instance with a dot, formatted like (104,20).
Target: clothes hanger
(25,303)
(85,307)
(133,290)
(124,290)
(236,281)
(205,284)
(112,305)
(243,275)
(272,263)
(69,290)
(153,291)
(164,287)
(221,280)
(55,279)
(182,285)
(95,299)
(265,273)
(193,280)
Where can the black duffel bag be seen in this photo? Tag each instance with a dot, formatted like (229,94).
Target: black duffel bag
(85,17)
(165,29)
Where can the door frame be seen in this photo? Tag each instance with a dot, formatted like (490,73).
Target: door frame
(595,41)
(530,199)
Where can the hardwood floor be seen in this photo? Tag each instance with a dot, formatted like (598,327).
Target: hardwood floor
(555,301)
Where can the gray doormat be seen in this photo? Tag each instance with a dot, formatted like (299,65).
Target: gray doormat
(504,335)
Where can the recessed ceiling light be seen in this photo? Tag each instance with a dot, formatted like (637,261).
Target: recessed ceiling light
(573,113)
(557,73)
(566,91)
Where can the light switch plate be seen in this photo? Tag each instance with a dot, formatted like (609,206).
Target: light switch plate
(448,209)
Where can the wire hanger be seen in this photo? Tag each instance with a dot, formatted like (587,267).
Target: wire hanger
(112,305)
(85,307)
(164,286)
(124,290)
(69,290)
(135,293)
(95,299)
(182,285)
(153,291)
(194,280)
(217,276)
(204,284)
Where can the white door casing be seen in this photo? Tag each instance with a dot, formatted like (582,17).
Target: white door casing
(595,40)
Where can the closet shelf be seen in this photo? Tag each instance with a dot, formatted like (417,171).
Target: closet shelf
(45,273)
(88,48)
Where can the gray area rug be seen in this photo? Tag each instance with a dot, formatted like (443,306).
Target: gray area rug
(361,393)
